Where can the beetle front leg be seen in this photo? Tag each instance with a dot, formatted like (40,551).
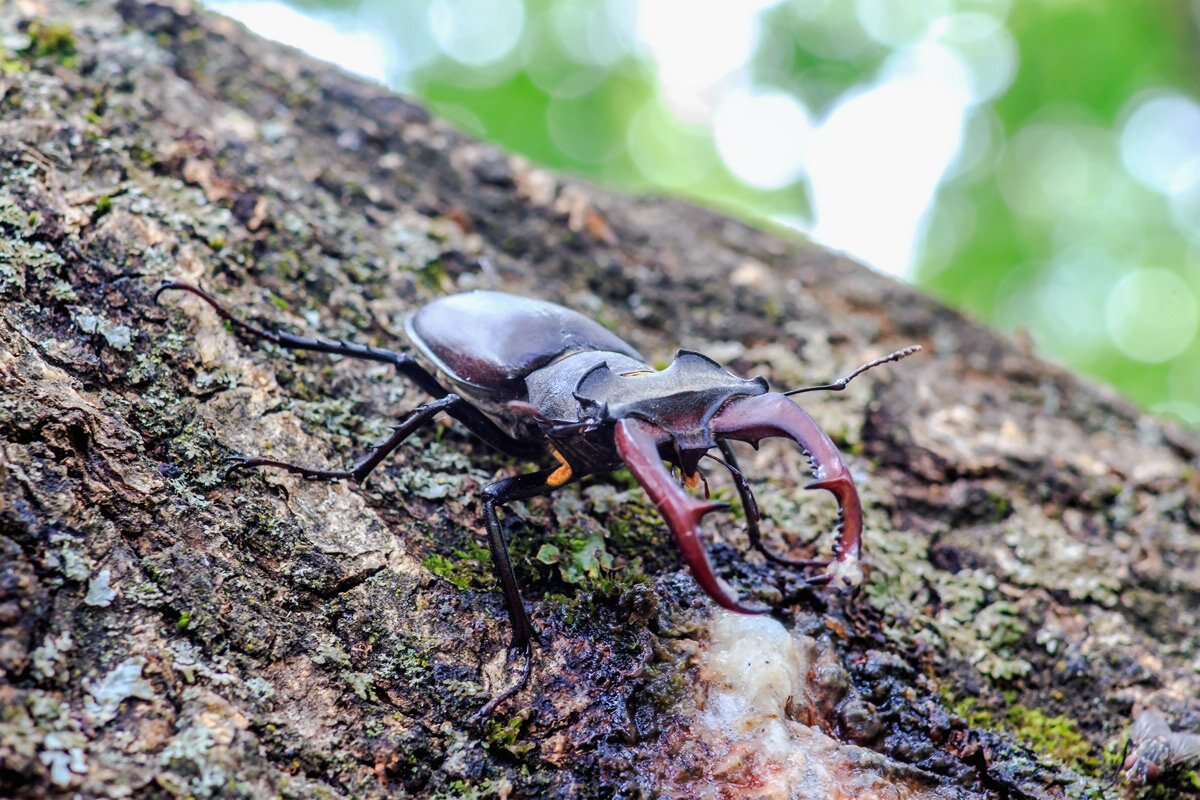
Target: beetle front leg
(751,419)
(420,417)
(750,508)
(638,443)
(518,487)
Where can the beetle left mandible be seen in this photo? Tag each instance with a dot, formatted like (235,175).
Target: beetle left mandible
(532,379)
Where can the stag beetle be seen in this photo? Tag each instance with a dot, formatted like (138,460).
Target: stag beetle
(530,378)
(1153,748)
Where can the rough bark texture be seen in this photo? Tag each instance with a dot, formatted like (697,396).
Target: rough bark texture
(1032,541)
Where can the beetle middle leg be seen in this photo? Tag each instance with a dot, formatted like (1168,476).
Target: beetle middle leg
(420,416)
(517,487)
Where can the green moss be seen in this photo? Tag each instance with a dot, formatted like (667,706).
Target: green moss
(1001,504)
(400,658)
(505,735)
(432,275)
(54,40)
(64,292)
(334,414)
(465,790)
(363,685)
(1057,737)
(968,708)
(579,560)
(466,569)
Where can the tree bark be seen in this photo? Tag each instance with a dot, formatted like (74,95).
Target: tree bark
(1032,549)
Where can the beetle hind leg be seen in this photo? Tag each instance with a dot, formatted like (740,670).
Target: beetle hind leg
(750,507)
(475,420)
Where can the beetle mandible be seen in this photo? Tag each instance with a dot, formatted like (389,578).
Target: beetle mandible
(532,378)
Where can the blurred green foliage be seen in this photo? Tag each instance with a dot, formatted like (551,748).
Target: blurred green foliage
(1040,223)
(1053,271)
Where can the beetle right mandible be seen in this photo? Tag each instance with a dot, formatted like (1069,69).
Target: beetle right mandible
(534,379)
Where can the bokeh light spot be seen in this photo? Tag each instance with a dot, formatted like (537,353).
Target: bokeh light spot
(1048,168)
(1152,315)
(667,150)
(595,33)
(1183,379)
(476,32)
(1070,300)
(877,158)
(762,138)
(1160,141)
(695,44)
(897,24)
(1185,211)
(987,48)
(582,127)
(1188,413)
(350,41)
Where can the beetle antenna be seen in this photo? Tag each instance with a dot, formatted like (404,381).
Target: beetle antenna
(840,383)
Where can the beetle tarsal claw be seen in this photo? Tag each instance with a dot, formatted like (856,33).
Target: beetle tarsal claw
(233,464)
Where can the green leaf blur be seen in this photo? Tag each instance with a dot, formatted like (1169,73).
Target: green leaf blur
(1046,223)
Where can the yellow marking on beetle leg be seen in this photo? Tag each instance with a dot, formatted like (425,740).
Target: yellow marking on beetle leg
(560,475)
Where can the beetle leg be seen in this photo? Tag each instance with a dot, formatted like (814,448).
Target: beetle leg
(563,474)
(750,506)
(752,419)
(420,416)
(637,441)
(475,420)
(497,494)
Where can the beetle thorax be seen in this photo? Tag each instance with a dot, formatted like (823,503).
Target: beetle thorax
(680,399)
(598,388)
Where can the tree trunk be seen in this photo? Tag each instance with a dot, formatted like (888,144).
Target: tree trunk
(1031,546)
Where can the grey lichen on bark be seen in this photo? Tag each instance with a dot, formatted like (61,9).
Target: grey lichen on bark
(1032,541)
